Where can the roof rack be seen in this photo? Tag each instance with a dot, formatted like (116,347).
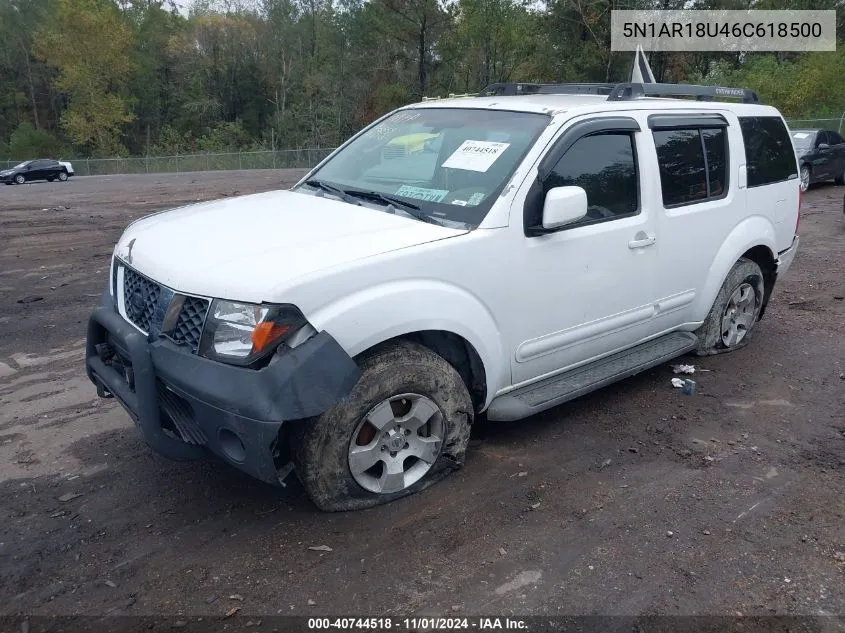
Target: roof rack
(510,89)
(624,91)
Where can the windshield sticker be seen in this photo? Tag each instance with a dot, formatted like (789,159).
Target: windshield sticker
(419,193)
(404,117)
(475,199)
(460,203)
(475,155)
(800,135)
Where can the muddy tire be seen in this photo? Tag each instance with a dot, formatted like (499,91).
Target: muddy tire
(356,455)
(735,312)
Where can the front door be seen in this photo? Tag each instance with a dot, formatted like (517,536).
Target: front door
(589,286)
(821,157)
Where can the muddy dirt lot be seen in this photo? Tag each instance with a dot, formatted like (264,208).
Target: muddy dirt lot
(634,500)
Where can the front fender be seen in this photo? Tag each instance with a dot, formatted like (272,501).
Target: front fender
(370,316)
(754,231)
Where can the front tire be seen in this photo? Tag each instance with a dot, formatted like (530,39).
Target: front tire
(735,312)
(841,180)
(20,179)
(404,426)
(63,176)
(805,177)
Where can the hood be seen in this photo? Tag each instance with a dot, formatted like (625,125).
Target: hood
(249,248)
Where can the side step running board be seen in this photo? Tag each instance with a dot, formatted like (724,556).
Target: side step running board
(576,382)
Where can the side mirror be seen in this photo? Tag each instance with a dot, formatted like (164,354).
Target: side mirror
(824,146)
(564,205)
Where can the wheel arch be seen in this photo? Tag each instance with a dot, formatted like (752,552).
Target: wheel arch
(455,350)
(441,316)
(754,238)
(765,259)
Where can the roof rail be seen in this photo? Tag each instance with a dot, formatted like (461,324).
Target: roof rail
(622,92)
(625,92)
(451,95)
(510,89)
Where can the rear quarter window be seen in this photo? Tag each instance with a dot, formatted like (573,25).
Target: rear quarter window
(769,155)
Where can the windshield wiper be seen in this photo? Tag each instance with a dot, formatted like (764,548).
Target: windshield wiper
(406,207)
(324,186)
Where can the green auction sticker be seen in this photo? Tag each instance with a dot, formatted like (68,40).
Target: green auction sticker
(420,193)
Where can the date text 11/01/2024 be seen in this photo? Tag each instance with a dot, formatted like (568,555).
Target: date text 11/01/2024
(416,624)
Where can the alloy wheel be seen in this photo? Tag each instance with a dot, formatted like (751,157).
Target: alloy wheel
(396,443)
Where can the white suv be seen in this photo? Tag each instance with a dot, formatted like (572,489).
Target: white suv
(498,254)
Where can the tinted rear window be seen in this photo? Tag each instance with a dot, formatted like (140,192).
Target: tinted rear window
(769,155)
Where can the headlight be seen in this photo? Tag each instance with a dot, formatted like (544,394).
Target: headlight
(241,333)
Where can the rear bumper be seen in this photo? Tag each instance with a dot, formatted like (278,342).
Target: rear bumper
(785,258)
(185,406)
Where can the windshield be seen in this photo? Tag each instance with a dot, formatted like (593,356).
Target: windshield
(19,165)
(803,139)
(442,164)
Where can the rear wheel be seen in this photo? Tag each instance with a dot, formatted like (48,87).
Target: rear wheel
(735,312)
(63,176)
(841,180)
(404,426)
(805,177)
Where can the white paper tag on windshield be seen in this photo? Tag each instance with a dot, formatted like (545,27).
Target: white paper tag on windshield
(800,135)
(419,193)
(475,155)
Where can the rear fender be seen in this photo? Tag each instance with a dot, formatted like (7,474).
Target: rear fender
(753,231)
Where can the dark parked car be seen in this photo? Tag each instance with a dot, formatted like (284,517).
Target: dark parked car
(41,169)
(821,154)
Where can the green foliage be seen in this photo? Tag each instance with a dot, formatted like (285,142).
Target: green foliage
(808,85)
(123,76)
(27,142)
(89,42)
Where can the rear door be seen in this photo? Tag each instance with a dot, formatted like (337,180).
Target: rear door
(698,166)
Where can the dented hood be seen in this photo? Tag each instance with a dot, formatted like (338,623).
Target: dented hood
(249,248)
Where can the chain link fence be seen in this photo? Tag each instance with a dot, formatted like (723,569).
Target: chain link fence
(279,159)
(835,124)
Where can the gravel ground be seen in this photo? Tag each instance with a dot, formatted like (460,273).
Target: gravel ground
(635,500)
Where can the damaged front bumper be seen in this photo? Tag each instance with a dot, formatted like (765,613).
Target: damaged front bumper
(186,406)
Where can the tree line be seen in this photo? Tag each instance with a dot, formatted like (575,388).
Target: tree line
(145,77)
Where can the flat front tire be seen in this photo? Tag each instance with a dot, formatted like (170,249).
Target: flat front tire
(404,426)
(735,312)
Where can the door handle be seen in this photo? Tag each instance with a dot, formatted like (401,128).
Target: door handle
(642,240)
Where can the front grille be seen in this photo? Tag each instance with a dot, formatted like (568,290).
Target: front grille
(188,328)
(140,297)
(146,305)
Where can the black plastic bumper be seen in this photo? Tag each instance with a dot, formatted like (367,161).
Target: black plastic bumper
(235,413)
